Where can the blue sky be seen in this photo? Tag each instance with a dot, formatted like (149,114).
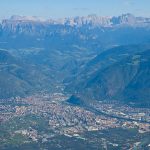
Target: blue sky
(67,8)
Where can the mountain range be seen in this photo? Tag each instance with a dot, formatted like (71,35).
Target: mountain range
(94,57)
(92,20)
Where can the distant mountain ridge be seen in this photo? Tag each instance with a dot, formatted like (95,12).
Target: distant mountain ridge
(94,30)
(92,20)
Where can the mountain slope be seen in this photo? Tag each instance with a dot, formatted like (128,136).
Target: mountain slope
(119,75)
(18,78)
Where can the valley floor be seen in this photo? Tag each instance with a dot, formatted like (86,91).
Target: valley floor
(48,121)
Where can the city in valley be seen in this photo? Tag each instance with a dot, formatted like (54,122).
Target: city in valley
(46,118)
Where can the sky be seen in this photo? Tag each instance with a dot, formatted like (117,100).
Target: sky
(68,8)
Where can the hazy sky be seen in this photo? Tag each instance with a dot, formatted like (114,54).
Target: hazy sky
(67,8)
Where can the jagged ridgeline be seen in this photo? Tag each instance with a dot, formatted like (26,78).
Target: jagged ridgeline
(98,57)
